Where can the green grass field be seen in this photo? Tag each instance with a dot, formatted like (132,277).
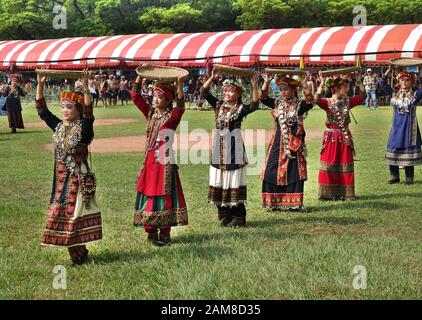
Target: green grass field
(279,255)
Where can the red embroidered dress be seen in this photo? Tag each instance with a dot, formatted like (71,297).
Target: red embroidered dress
(160,201)
(336,178)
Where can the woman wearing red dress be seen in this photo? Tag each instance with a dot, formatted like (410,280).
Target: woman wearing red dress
(336,180)
(160,203)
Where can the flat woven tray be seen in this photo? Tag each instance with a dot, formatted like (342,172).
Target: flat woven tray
(406,62)
(234,71)
(340,71)
(66,74)
(161,73)
(285,72)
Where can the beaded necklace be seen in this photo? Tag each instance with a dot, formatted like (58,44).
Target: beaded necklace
(65,139)
(224,118)
(154,126)
(287,115)
(340,110)
(403,99)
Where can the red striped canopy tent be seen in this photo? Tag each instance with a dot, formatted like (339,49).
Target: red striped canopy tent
(318,46)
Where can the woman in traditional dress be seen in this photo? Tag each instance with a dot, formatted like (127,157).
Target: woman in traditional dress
(227,184)
(336,180)
(160,203)
(285,166)
(73,217)
(13,105)
(404,142)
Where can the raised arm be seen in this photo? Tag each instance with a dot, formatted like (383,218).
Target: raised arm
(263,95)
(308,102)
(357,100)
(138,99)
(383,83)
(419,96)
(177,113)
(85,86)
(87,114)
(50,119)
(6,91)
(255,90)
(246,109)
(21,92)
(205,89)
(318,98)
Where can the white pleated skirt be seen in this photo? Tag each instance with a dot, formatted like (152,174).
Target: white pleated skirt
(227,188)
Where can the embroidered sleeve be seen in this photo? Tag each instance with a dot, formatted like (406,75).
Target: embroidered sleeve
(136,87)
(177,113)
(139,100)
(87,111)
(384,86)
(266,100)
(248,108)
(87,130)
(21,92)
(418,96)
(6,91)
(355,101)
(207,95)
(50,119)
(323,104)
(304,107)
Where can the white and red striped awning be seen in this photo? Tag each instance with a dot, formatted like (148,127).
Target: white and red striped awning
(326,45)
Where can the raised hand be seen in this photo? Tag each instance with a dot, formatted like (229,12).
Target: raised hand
(254,79)
(390,68)
(40,87)
(215,74)
(41,78)
(307,89)
(86,74)
(180,81)
(267,77)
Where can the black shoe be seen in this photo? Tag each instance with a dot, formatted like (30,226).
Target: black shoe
(82,259)
(164,241)
(237,222)
(394,179)
(295,209)
(13,131)
(223,213)
(153,238)
(409,181)
(225,221)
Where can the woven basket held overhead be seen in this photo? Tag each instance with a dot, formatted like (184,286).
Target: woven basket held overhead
(285,72)
(233,71)
(340,71)
(61,74)
(161,73)
(406,62)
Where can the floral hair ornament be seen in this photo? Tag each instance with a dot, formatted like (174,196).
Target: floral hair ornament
(234,85)
(407,75)
(288,81)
